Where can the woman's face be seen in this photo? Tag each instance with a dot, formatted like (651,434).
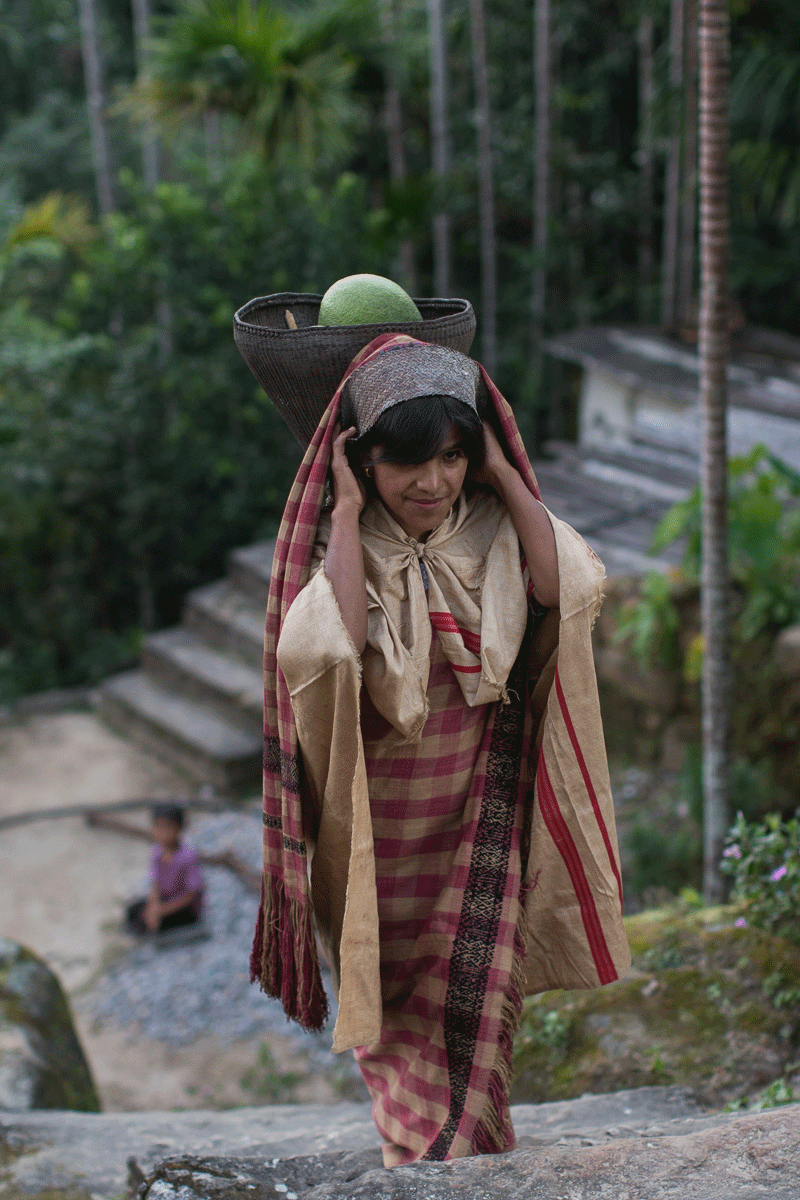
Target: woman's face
(420,495)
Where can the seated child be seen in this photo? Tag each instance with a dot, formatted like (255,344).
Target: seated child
(176,878)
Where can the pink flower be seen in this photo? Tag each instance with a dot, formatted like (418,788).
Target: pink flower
(777,874)
(732,852)
(740,923)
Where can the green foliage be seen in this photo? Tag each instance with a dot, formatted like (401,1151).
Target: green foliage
(543,1028)
(135,448)
(764,862)
(764,539)
(765,166)
(764,549)
(286,78)
(662,860)
(777,1094)
(781,988)
(650,624)
(754,788)
(267,1083)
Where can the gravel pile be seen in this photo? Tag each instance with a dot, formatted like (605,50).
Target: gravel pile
(174,995)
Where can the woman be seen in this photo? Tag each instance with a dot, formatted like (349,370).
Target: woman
(433,733)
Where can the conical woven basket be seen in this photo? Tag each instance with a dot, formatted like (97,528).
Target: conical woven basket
(301,368)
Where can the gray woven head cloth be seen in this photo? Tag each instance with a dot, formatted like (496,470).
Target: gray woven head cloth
(405,372)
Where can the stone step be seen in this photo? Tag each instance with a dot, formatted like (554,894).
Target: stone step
(210,749)
(249,569)
(180,662)
(228,620)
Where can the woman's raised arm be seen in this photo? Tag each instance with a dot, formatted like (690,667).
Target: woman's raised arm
(529,516)
(344,558)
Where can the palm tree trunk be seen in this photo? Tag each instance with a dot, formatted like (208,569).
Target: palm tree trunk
(151,150)
(714,40)
(686,258)
(441,154)
(488,241)
(96,103)
(541,170)
(394,129)
(151,165)
(646,164)
(672,186)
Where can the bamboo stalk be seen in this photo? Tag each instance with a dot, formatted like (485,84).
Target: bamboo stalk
(686,256)
(541,170)
(441,154)
(672,185)
(486,220)
(96,103)
(646,163)
(714,348)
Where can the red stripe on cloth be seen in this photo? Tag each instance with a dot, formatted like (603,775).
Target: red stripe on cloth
(471,640)
(474,670)
(573,737)
(559,832)
(444,622)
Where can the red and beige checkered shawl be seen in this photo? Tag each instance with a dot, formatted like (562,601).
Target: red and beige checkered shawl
(573,905)
(284,954)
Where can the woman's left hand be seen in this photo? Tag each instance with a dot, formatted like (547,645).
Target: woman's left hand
(531,521)
(495,467)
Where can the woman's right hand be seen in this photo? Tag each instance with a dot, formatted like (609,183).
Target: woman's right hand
(348,491)
(344,557)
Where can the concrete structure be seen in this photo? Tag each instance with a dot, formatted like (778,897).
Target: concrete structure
(639,391)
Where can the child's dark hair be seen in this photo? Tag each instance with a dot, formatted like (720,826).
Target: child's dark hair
(169,812)
(413,431)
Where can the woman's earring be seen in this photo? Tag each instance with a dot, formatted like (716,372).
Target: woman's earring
(368,472)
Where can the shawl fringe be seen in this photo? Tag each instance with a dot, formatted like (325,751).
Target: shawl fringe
(284,956)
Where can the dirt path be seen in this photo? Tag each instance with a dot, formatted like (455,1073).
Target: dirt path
(62,888)
(62,884)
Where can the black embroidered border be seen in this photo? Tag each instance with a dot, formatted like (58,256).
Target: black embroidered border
(475,940)
(288,843)
(278,762)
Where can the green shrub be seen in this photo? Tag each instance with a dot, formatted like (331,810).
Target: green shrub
(136,449)
(764,549)
(763,860)
(662,860)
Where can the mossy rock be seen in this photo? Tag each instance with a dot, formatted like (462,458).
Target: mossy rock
(707,1005)
(42,1064)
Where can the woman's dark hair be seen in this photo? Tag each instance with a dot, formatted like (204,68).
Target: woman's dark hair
(413,431)
(169,812)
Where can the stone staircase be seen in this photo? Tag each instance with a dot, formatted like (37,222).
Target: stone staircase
(197,698)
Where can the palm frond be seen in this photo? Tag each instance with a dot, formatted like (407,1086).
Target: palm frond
(287,79)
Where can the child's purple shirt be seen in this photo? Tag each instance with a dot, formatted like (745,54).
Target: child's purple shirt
(181,874)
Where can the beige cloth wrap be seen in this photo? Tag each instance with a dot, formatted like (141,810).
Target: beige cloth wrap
(323,672)
(473,565)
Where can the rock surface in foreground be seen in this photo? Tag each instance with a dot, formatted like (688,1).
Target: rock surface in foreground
(743,1157)
(648,1138)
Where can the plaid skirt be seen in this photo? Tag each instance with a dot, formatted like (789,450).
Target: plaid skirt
(448,817)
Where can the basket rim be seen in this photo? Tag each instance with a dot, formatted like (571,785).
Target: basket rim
(243,326)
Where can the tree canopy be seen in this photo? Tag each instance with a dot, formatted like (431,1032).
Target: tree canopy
(135,448)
